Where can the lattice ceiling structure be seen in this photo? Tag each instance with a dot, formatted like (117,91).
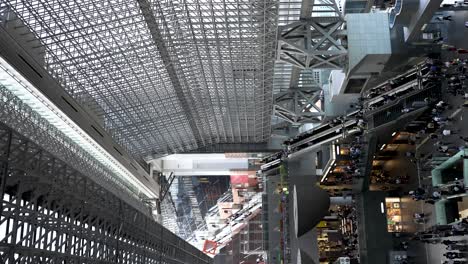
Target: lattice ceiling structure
(164,76)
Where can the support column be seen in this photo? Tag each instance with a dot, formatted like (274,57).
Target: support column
(425,11)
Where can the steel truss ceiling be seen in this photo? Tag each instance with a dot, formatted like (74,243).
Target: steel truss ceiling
(164,76)
(51,213)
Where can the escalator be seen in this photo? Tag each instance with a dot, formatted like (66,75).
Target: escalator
(410,92)
(335,129)
(413,101)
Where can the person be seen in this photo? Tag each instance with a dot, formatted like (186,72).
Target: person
(453,255)
(419,220)
(457,188)
(404,245)
(436,195)
(447,132)
(448,18)
(443,148)
(407,110)
(458,227)
(441,104)
(457,247)
(451,261)
(361,123)
(440,118)
(419,215)
(456,233)
(450,242)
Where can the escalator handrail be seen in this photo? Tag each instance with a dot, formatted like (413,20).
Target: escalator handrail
(395,12)
(328,131)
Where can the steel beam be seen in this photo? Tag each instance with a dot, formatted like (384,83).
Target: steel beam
(297,106)
(24,64)
(158,39)
(51,213)
(14,113)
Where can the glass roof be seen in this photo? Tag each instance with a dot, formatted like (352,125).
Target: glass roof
(190,74)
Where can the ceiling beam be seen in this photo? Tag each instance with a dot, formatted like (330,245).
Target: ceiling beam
(157,37)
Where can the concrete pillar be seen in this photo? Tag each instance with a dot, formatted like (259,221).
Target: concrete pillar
(423,15)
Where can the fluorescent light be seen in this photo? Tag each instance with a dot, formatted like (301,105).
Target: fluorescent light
(327,170)
(24,90)
(382,207)
(337,149)
(383,146)
(393,134)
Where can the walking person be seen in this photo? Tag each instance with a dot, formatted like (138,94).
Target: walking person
(451,261)
(456,247)
(451,242)
(447,132)
(454,255)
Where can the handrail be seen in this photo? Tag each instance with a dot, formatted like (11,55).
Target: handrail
(394,12)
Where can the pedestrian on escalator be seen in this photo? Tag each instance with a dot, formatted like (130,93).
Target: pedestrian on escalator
(443,149)
(407,109)
(441,104)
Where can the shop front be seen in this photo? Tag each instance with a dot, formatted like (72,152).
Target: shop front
(393,210)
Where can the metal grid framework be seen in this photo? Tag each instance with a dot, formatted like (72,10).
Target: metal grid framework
(50,213)
(298,106)
(16,114)
(306,40)
(166,76)
(289,11)
(315,41)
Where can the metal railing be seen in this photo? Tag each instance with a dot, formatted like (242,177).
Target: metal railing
(52,213)
(394,12)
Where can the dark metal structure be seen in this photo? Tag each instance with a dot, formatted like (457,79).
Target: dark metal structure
(51,213)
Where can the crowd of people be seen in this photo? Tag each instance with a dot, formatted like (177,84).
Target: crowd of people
(346,244)
(432,194)
(429,71)
(449,236)
(437,127)
(384,177)
(350,168)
